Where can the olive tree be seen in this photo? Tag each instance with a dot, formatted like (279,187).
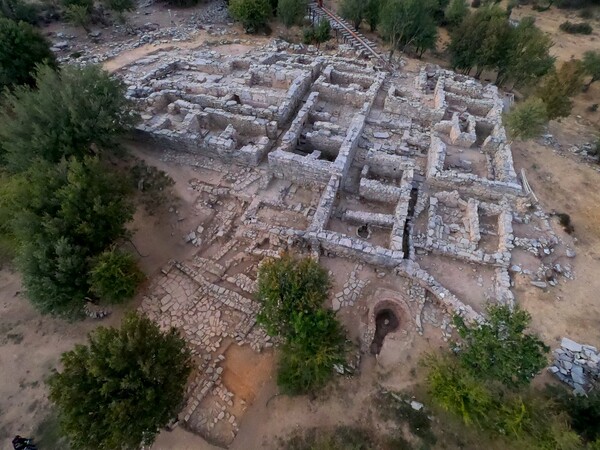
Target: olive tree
(121,387)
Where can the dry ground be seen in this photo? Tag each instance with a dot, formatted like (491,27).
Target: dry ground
(30,345)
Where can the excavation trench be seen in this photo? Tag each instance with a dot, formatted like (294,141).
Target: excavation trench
(385,323)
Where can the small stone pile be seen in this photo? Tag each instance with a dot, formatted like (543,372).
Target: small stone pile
(576,364)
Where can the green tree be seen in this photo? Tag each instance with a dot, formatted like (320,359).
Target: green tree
(22,47)
(292,293)
(527,55)
(373,13)
(19,10)
(456,12)
(407,23)
(78,113)
(79,16)
(68,214)
(291,12)
(558,86)
(591,65)
(115,276)
(457,391)
(499,349)
(254,14)
(527,119)
(480,41)
(354,11)
(309,355)
(288,287)
(117,391)
(120,7)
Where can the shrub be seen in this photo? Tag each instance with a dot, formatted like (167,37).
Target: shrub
(354,11)
(68,213)
(311,352)
(79,15)
(373,13)
(292,293)
(291,12)
(19,10)
(317,35)
(115,276)
(456,11)
(527,120)
(576,28)
(565,221)
(120,6)
(22,47)
(287,288)
(253,14)
(122,387)
(499,349)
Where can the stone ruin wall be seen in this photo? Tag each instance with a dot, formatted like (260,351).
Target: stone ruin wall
(265,124)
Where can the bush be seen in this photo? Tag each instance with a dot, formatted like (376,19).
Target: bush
(576,28)
(22,47)
(287,288)
(456,11)
(354,11)
(291,12)
(81,112)
(565,221)
(120,6)
(19,10)
(115,276)
(292,293)
(317,35)
(122,387)
(254,14)
(527,119)
(68,213)
(499,349)
(311,352)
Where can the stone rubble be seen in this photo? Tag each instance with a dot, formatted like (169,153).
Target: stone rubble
(577,365)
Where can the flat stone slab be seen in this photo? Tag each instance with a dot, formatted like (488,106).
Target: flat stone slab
(570,345)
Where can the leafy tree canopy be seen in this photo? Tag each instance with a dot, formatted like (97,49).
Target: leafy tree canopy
(527,119)
(407,23)
(291,12)
(254,14)
(456,11)
(307,360)
(527,56)
(117,391)
(591,64)
(499,349)
(115,276)
(65,215)
(558,86)
(19,10)
(288,287)
(75,113)
(292,293)
(22,47)
(354,11)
